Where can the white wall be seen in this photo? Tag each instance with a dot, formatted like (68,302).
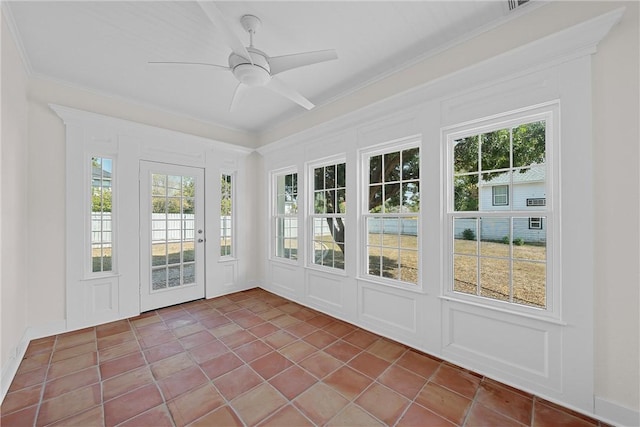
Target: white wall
(14,225)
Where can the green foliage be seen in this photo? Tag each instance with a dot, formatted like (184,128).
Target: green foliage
(468,234)
(518,241)
(505,240)
(225,191)
(101,200)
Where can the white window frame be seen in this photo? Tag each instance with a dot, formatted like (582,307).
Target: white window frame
(535,223)
(363,210)
(232,255)
(311,215)
(495,195)
(550,112)
(275,215)
(88,215)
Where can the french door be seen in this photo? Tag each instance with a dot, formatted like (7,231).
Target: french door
(171,234)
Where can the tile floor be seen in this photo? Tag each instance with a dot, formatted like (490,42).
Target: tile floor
(253,358)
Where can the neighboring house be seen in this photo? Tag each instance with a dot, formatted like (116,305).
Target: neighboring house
(528,193)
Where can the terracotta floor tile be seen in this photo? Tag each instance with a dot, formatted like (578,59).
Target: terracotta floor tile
(297,350)
(112,328)
(386,349)
(353,415)
(402,381)
(541,401)
(320,321)
(547,416)
(214,321)
(188,330)
(481,416)
(284,320)
(163,351)
(28,379)
(507,402)
(270,364)
(339,329)
(321,364)
(348,382)
(249,321)
(224,330)
(123,364)
(444,402)
(36,361)
(70,352)
(220,417)
(156,417)
(270,314)
(237,339)
(71,382)
(279,339)
(360,338)
(118,351)
(181,382)
(129,381)
(69,404)
(263,329)
(236,382)
(293,381)
(93,417)
(252,351)
(25,417)
(457,380)
(300,329)
(257,404)
(73,364)
(151,329)
(75,338)
(207,351)
(228,308)
(155,338)
(342,350)
(40,346)
(320,403)
(194,340)
(221,365)
(117,339)
(369,364)
(21,399)
(287,416)
(320,339)
(389,412)
(171,365)
(417,416)
(131,404)
(419,363)
(180,321)
(194,404)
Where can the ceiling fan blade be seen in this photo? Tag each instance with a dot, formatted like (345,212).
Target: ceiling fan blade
(280,88)
(279,64)
(238,96)
(187,63)
(218,19)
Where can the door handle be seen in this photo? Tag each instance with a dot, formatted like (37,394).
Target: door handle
(200,240)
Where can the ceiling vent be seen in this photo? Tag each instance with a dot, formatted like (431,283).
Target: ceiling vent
(513,4)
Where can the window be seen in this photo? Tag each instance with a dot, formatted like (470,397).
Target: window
(286,215)
(540,201)
(535,223)
(392,214)
(328,215)
(498,250)
(500,195)
(101,220)
(226,215)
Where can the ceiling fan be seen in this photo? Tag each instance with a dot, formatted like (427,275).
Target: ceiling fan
(252,67)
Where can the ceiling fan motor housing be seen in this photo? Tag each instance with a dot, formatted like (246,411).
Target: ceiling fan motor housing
(256,74)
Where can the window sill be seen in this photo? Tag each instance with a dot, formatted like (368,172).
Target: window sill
(227,259)
(416,289)
(99,276)
(514,312)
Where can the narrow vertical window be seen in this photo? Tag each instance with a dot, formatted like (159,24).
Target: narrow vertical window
(226,215)
(392,214)
(101,220)
(286,216)
(328,215)
(499,249)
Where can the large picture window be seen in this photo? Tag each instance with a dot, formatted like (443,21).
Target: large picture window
(101,214)
(499,240)
(391,214)
(328,215)
(285,216)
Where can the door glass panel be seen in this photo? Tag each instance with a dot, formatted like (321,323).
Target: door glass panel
(172,230)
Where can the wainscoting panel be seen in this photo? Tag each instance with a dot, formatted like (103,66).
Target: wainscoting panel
(389,310)
(325,290)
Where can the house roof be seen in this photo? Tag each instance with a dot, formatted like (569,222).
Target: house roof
(536,173)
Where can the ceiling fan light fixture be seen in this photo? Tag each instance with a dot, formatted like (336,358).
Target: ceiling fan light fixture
(251,75)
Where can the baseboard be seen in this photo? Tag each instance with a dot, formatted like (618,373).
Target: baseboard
(11,366)
(615,413)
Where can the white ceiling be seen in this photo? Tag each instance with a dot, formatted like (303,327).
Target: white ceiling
(105,47)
